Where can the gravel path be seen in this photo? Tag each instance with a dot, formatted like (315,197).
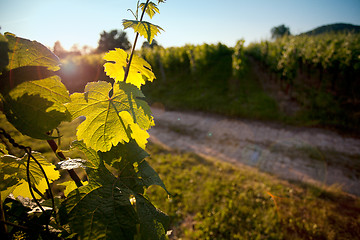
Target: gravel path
(306,154)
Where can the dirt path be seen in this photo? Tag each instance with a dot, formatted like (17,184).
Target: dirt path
(305,154)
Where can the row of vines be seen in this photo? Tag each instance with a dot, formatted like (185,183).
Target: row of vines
(321,72)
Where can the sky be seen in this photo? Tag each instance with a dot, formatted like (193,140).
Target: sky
(184,21)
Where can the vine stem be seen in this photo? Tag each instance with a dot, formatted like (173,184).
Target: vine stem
(59,154)
(135,41)
(28,151)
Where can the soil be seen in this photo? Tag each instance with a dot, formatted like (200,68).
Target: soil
(310,155)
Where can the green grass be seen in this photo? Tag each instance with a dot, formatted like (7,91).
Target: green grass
(215,200)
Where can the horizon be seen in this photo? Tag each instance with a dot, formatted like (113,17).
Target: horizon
(184,22)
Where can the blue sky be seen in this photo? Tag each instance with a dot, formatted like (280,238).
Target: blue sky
(184,21)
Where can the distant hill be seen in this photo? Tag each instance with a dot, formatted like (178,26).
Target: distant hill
(336,27)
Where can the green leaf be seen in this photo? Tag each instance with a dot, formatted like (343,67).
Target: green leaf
(126,154)
(92,157)
(125,158)
(3,150)
(145,29)
(23,52)
(13,173)
(134,171)
(37,107)
(110,119)
(70,186)
(32,95)
(4,53)
(149,176)
(139,71)
(151,9)
(100,210)
(153,222)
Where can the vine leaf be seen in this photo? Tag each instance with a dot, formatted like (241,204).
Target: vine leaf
(139,72)
(4,49)
(32,95)
(70,186)
(92,158)
(110,119)
(145,29)
(3,150)
(37,107)
(149,176)
(13,174)
(153,222)
(134,171)
(151,9)
(23,52)
(101,209)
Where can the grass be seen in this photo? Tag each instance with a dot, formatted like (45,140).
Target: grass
(215,200)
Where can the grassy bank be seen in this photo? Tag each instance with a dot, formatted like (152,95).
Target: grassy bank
(215,200)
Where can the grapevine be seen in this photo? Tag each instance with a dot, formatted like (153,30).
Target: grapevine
(108,204)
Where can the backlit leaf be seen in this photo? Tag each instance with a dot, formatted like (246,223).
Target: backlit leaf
(139,72)
(4,56)
(70,186)
(145,29)
(23,52)
(151,9)
(3,150)
(32,95)
(110,119)
(14,168)
(36,107)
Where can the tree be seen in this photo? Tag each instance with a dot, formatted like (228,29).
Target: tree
(153,44)
(280,31)
(113,39)
(59,50)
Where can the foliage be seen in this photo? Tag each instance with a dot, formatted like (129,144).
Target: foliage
(212,78)
(139,72)
(113,39)
(153,44)
(112,203)
(321,72)
(280,31)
